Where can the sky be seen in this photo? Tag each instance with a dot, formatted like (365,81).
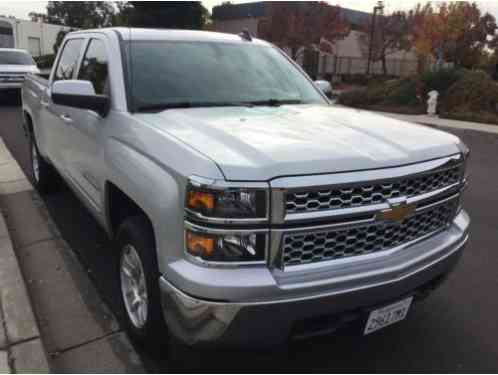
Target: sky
(20,8)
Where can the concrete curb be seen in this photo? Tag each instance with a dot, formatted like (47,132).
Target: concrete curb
(444,123)
(21,347)
(12,178)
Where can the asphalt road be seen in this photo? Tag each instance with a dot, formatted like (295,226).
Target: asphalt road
(455,330)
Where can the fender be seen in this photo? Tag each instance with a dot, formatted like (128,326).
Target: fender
(157,192)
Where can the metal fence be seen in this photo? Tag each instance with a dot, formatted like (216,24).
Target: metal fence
(338,66)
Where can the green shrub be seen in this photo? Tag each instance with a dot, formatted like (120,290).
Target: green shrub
(464,95)
(440,80)
(475,92)
(390,93)
(356,98)
(404,93)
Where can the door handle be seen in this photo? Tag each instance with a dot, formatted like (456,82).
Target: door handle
(66,118)
(44,103)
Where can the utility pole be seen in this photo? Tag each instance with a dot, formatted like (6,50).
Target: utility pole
(379,8)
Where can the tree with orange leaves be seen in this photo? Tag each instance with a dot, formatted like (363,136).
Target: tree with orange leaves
(391,34)
(456,32)
(302,25)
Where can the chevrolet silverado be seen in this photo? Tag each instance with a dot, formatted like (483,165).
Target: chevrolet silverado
(245,207)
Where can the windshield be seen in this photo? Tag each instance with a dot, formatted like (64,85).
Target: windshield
(15,58)
(189,74)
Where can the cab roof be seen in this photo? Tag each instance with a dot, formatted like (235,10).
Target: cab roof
(137,34)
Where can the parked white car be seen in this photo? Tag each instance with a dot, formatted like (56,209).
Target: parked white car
(15,64)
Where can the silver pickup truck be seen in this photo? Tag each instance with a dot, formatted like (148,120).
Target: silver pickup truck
(245,207)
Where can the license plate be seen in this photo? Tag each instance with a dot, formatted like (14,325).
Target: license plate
(388,315)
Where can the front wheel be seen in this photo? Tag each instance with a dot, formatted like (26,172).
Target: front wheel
(139,282)
(43,174)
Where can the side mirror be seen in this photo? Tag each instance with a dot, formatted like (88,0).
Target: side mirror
(324,86)
(79,94)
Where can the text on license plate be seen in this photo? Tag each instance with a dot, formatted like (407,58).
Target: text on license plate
(388,315)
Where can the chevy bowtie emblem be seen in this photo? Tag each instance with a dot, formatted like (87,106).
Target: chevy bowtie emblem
(397,212)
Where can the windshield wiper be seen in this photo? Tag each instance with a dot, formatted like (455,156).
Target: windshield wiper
(275,102)
(165,106)
(157,107)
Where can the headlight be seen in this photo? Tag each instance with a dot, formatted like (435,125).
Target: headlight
(226,203)
(218,247)
(225,222)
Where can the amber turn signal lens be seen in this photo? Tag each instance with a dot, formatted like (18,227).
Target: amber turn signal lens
(198,200)
(199,245)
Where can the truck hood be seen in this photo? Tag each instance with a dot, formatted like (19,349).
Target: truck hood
(262,143)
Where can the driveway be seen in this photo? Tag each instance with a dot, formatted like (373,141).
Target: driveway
(455,330)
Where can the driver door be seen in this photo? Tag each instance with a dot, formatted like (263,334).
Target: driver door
(83,151)
(57,118)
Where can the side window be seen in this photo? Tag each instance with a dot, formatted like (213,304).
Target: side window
(68,60)
(94,67)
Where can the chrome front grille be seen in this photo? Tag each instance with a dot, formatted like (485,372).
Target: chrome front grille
(12,77)
(369,193)
(299,248)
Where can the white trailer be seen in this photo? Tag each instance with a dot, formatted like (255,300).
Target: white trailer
(36,37)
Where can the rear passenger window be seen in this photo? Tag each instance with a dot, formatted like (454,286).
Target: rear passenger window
(68,60)
(94,67)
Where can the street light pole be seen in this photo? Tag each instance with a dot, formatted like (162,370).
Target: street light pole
(378,8)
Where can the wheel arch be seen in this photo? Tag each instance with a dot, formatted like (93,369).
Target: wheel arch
(120,206)
(28,125)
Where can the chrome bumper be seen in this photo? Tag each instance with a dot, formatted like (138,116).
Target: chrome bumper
(271,321)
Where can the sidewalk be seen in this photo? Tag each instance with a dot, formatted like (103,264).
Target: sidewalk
(21,348)
(63,326)
(444,123)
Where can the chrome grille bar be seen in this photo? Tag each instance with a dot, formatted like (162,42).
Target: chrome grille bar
(306,247)
(371,193)
(282,187)
(12,77)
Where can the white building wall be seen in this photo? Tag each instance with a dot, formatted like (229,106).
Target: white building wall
(27,33)
(350,46)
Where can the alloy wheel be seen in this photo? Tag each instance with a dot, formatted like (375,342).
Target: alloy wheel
(133,286)
(35,162)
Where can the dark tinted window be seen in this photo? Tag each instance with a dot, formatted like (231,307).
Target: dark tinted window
(15,58)
(69,60)
(94,66)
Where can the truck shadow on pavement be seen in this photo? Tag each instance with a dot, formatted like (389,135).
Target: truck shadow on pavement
(10,98)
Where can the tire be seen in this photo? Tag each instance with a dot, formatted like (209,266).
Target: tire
(44,177)
(135,240)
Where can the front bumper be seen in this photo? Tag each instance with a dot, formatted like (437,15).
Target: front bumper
(274,320)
